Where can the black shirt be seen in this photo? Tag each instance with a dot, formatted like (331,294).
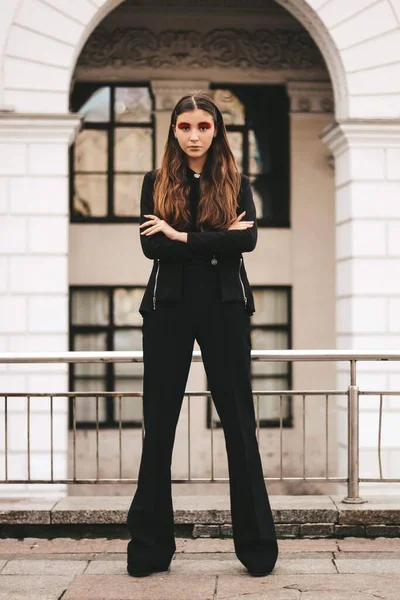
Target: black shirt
(222,242)
(194,197)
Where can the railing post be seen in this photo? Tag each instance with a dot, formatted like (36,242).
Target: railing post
(353,469)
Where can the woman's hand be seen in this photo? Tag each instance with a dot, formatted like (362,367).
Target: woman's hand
(155,225)
(239,224)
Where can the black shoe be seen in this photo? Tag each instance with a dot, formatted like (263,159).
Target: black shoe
(259,573)
(144,572)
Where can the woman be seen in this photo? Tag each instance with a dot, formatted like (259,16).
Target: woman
(193,226)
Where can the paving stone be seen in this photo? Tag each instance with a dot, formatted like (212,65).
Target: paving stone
(304,509)
(30,587)
(366,545)
(106,567)
(382,530)
(209,567)
(316,530)
(307,545)
(206,531)
(349,531)
(317,595)
(2,563)
(368,565)
(44,567)
(25,510)
(91,509)
(226,530)
(378,510)
(274,595)
(209,545)
(158,586)
(347,586)
(303,565)
(13,546)
(69,545)
(117,546)
(286,530)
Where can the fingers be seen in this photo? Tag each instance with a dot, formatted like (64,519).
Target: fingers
(152,229)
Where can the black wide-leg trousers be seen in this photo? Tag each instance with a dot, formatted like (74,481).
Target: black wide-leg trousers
(222,330)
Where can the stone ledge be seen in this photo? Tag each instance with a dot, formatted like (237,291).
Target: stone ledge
(209,516)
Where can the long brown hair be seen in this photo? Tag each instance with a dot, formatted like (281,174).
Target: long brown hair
(220,181)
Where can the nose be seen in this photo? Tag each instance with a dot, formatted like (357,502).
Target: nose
(194,135)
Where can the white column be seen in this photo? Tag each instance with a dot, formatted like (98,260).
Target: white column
(367,173)
(167,92)
(34,290)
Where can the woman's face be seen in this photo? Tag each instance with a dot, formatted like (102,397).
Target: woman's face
(195,131)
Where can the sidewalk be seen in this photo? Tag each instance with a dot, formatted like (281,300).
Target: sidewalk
(202,569)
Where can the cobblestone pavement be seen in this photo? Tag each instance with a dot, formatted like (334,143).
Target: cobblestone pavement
(202,569)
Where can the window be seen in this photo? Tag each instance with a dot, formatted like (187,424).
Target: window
(270,330)
(257,123)
(112,152)
(106,318)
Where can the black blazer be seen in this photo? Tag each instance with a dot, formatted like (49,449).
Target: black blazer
(165,281)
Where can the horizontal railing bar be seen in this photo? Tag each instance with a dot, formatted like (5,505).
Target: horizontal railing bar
(192,480)
(140,394)
(256,355)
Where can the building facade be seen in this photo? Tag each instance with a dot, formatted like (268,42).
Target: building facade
(309,92)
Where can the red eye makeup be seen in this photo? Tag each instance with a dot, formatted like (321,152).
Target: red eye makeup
(204,125)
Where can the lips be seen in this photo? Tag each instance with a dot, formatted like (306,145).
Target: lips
(194,147)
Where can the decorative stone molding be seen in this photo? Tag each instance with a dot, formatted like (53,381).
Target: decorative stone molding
(359,133)
(38,127)
(310,97)
(273,49)
(167,92)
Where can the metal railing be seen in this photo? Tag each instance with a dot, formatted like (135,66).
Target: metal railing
(352,394)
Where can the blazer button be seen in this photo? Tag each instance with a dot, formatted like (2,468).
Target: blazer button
(214,261)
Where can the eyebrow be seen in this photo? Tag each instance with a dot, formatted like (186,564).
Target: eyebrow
(200,123)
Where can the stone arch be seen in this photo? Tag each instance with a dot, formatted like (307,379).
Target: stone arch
(361,46)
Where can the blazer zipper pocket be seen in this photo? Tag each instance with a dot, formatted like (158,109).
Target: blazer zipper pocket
(241,282)
(155,285)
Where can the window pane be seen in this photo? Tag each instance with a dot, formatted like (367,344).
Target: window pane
(269,340)
(90,307)
(126,307)
(90,195)
(270,405)
(131,406)
(254,155)
(127,191)
(133,104)
(91,151)
(86,407)
(133,149)
(126,340)
(271,307)
(97,108)
(236,143)
(258,201)
(90,342)
(231,107)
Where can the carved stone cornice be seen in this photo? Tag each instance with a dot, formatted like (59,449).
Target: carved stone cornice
(39,127)
(167,92)
(310,97)
(273,49)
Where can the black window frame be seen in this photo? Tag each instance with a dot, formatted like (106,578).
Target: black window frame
(110,422)
(274,221)
(287,422)
(110,127)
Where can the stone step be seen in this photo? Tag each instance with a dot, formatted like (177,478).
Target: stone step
(319,516)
